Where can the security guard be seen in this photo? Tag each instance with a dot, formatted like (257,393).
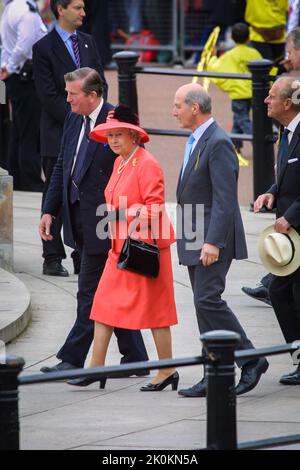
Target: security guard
(21,27)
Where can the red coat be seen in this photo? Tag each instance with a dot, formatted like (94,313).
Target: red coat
(125,299)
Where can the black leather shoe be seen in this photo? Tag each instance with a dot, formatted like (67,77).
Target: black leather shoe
(291,379)
(55,268)
(251,374)
(125,375)
(85,381)
(171,380)
(259,293)
(58,367)
(198,390)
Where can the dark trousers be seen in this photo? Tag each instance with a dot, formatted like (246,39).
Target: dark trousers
(24,161)
(213,313)
(52,250)
(241,119)
(78,342)
(285,298)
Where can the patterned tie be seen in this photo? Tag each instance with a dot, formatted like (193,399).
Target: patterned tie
(75,45)
(282,151)
(74,190)
(187,153)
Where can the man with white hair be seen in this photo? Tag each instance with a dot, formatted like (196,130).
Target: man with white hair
(208,178)
(284,195)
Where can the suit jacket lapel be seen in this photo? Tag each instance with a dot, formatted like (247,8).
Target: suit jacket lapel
(83,50)
(61,52)
(291,148)
(72,144)
(195,156)
(93,145)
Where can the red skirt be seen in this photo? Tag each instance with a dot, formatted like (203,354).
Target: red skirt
(127,300)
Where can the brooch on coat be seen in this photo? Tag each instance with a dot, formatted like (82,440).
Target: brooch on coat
(134,162)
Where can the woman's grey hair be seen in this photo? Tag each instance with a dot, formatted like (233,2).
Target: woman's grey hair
(294,37)
(201,98)
(136,136)
(91,80)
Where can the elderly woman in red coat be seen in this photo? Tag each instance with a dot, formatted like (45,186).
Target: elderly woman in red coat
(126,299)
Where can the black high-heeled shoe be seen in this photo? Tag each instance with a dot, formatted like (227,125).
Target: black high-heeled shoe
(85,381)
(171,380)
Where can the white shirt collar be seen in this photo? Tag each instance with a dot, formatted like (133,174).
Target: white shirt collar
(94,114)
(292,126)
(198,133)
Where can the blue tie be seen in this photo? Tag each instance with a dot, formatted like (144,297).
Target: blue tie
(76,175)
(283,150)
(75,45)
(187,153)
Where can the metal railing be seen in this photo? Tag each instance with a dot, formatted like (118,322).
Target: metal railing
(262,138)
(219,363)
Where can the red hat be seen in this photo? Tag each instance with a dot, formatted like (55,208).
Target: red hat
(99,132)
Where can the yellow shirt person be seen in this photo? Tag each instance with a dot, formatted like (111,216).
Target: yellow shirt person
(267,19)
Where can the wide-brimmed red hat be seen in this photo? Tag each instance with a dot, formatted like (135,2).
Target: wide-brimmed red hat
(99,132)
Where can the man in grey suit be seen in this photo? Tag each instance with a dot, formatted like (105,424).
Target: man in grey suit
(208,179)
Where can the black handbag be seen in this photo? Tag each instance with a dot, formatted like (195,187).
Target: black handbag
(139,257)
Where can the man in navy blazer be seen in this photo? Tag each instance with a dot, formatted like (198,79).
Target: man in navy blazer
(211,231)
(84,91)
(53,57)
(284,195)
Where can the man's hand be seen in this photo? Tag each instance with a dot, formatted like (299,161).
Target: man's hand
(266,199)
(282,225)
(4,73)
(45,227)
(209,254)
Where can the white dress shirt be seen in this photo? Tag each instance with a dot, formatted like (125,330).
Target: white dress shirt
(20,29)
(292,126)
(93,117)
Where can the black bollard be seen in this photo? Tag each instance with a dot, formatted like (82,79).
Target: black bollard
(126,61)
(221,398)
(263,141)
(10,368)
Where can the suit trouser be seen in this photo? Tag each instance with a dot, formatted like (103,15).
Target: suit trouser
(213,313)
(53,250)
(285,298)
(24,156)
(78,342)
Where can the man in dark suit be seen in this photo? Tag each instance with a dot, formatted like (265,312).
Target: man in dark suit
(283,105)
(77,186)
(62,50)
(211,231)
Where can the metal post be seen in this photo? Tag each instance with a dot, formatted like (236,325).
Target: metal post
(10,368)
(263,142)
(126,61)
(221,399)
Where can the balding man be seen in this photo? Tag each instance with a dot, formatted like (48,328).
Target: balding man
(208,180)
(283,105)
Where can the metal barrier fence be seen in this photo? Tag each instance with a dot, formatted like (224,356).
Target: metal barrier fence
(219,363)
(262,138)
(179,27)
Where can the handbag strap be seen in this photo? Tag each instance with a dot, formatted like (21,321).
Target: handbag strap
(136,217)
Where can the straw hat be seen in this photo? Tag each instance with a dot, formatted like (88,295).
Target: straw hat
(279,252)
(99,132)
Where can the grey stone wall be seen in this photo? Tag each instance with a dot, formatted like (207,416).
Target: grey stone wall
(6,220)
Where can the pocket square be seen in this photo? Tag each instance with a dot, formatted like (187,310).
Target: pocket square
(292,160)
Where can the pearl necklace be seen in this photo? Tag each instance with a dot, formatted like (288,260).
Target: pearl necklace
(124,162)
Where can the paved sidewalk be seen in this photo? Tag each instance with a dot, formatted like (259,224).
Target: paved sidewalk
(57,416)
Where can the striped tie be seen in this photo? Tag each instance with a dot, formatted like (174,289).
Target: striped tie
(76,49)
